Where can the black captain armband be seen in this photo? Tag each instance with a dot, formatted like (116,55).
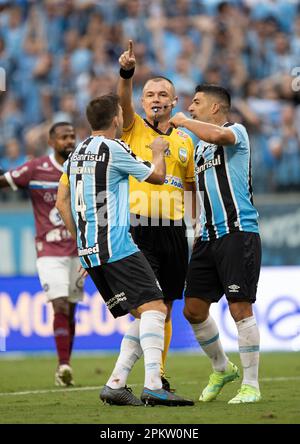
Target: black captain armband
(126,74)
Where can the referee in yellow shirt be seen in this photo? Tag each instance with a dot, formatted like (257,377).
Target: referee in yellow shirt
(157,212)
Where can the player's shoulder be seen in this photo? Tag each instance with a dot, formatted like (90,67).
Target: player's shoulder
(46,168)
(119,145)
(137,123)
(236,126)
(42,162)
(181,135)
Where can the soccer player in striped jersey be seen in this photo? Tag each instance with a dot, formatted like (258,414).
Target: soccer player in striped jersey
(93,202)
(226,257)
(57,261)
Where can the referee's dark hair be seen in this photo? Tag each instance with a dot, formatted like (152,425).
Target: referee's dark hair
(218,91)
(101,111)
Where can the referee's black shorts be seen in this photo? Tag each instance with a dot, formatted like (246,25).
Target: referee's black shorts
(229,265)
(166,249)
(126,284)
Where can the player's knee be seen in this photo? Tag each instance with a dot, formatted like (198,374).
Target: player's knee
(61,305)
(194,316)
(158,305)
(240,310)
(169,305)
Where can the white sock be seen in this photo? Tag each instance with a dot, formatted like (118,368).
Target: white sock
(130,352)
(248,337)
(207,334)
(152,332)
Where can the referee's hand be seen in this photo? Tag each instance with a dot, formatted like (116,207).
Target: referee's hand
(127,59)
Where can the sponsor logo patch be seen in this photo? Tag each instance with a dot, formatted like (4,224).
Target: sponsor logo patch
(208,164)
(182,153)
(91,157)
(89,250)
(116,300)
(174,181)
(182,134)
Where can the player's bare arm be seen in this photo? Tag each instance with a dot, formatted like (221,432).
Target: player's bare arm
(127,63)
(205,131)
(158,146)
(63,204)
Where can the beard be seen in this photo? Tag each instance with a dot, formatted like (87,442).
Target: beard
(65,153)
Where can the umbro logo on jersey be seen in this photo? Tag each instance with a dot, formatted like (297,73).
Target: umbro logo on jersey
(233,288)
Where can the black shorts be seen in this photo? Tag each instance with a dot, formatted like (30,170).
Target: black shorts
(166,249)
(229,265)
(126,284)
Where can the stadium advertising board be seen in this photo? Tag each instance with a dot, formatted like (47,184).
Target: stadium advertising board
(26,319)
(279,227)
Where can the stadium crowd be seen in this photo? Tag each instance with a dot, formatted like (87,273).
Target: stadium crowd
(58,54)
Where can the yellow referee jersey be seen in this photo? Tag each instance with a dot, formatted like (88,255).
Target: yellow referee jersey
(160,201)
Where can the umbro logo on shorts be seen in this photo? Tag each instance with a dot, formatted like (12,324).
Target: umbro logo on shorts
(233,288)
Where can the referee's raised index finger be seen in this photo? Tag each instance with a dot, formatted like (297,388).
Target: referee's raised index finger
(130,48)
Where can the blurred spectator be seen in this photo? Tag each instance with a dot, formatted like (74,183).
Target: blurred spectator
(285,148)
(13,156)
(58,54)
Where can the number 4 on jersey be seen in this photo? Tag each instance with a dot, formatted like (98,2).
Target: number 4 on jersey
(80,206)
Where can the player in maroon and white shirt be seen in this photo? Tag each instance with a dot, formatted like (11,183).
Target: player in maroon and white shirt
(57,261)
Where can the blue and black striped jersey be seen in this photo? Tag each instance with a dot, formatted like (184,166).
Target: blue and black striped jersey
(223,176)
(98,172)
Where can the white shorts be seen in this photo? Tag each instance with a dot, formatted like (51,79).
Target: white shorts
(59,277)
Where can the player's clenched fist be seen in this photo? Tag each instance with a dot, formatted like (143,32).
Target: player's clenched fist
(159,145)
(178,120)
(127,59)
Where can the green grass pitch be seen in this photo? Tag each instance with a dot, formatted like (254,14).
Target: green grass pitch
(27,393)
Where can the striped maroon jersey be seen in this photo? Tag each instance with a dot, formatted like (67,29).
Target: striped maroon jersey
(41,177)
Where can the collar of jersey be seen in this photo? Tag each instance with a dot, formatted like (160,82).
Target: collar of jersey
(168,133)
(55,163)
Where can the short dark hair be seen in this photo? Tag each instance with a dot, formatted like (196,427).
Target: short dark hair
(101,111)
(52,130)
(217,91)
(158,78)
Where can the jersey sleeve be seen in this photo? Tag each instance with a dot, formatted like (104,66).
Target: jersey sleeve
(240,133)
(64,179)
(21,176)
(190,170)
(129,164)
